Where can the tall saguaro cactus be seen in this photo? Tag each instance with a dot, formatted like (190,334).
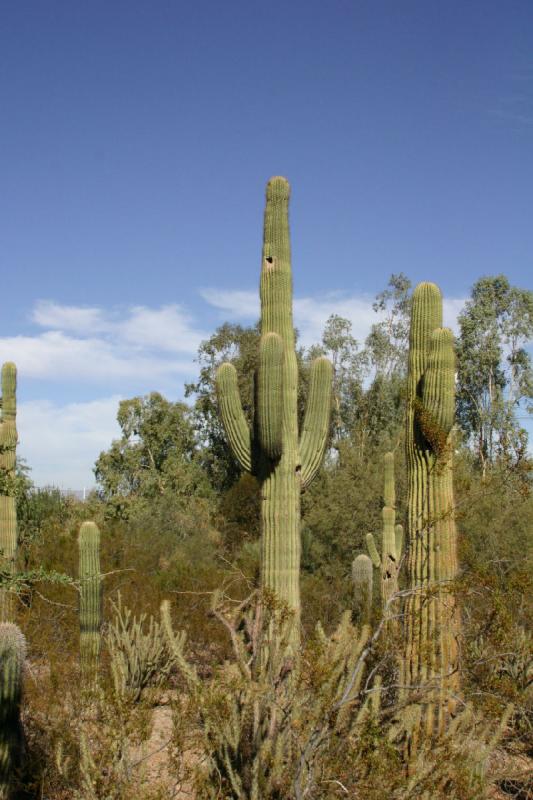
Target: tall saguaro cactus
(283,460)
(12,655)
(8,507)
(392,537)
(90,600)
(432,619)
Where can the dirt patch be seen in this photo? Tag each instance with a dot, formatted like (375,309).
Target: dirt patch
(153,760)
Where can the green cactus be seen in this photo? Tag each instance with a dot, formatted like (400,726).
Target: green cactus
(8,504)
(362,576)
(432,620)
(283,461)
(12,655)
(389,488)
(90,600)
(391,540)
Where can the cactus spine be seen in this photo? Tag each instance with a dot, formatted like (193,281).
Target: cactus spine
(432,619)
(391,540)
(8,504)
(90,600)
(12,655)
(283,461)
(363,585)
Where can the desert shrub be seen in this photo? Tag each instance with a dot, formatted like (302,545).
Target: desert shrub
(496,593)
(319,725)
(266,715)
(239,514)
(82,745)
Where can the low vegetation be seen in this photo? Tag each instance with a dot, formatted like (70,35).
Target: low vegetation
(337,604)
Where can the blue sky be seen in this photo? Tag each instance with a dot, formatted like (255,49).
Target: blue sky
(135,143)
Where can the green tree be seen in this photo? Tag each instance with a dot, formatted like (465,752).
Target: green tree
(239,510)
(378,416)
(387,343)
(156,456)
(342,349)
(495,377)
(343,505)
(238,345)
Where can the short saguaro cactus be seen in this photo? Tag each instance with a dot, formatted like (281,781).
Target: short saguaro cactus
(389,561)
(363,583)
(12,655)
(90,600)
(8,503)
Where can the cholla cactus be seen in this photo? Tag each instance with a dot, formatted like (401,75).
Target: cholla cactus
(90,600)
(391,540)
(263,733)
(283,461)
(12,655)
(8,506)
(138,652)
(432,619)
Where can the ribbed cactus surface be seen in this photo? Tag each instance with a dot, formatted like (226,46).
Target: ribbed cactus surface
(363,582)
(8,507)
(389,561)
(284,460)
(430,657)
(90,600)
(12,655)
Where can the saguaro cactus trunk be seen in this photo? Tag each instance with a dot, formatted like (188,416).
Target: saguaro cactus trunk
(432,620)
(8,507)
(12,655)
(283,461)
(90,600)
(392,539)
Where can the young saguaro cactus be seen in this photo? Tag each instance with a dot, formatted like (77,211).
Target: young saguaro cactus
(90,600)
(12,655)
(283,460)
(363,582)
(8,506)
(432,619)
(392,537)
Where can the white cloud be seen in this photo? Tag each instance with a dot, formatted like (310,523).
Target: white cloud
(451,307)
(62,442)
(235,304)
(56,356)
(311,313)
(168,328)
(158,345)
(92,344)
(96,345)
(68,318)
(140,346)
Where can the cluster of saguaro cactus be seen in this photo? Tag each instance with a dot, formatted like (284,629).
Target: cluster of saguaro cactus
(90,600)
(283,461)
(12,655)
(391,540)
(431,615)
(8,506)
